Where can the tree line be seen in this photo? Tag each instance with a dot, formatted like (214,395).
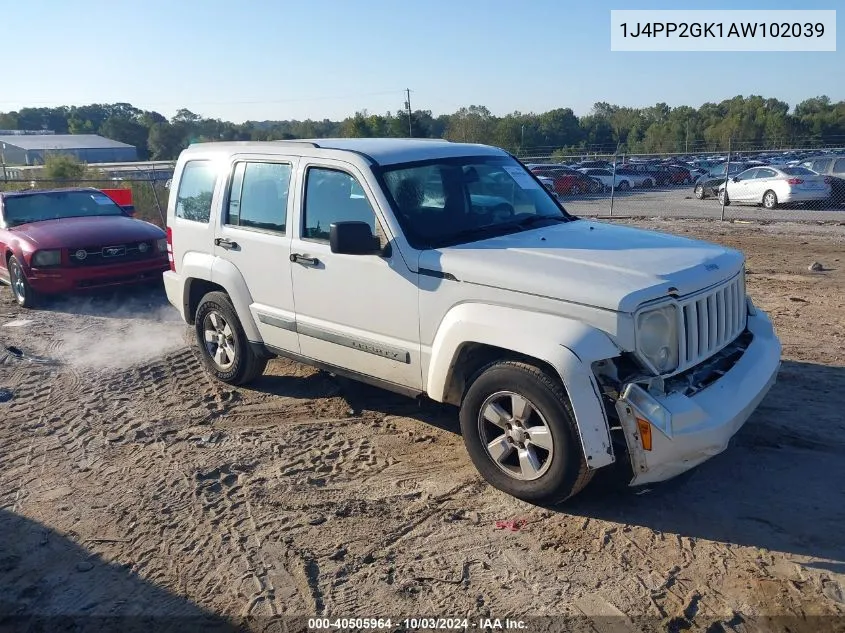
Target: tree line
(752,122)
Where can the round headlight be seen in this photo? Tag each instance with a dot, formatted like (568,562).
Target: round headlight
(143,247)
(81,254)
(653,328)
(657,338)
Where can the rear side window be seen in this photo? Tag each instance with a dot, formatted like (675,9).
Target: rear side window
(259,196)
(196,188)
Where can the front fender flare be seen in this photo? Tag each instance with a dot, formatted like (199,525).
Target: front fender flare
(568,345)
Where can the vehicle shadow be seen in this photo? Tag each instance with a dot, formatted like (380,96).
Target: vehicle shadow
(778,486)
(360,398)
(50,583)
(147,301)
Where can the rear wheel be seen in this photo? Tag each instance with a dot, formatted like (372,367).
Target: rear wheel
(624,185)
(574,190)
(520,432)
(770,200)
(225,350)
(648,183)
(25,296)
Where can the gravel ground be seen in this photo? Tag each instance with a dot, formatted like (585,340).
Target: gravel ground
(133,486)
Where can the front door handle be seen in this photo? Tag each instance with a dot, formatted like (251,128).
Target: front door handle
(304,260)
(225,243)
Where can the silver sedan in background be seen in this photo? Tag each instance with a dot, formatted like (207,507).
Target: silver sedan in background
(775,185)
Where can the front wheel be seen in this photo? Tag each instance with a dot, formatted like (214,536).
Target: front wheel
(225,350)
(25,296)
(770,200)
(723,197)
(624,185)
(699,192)
(647,183)
(520,432)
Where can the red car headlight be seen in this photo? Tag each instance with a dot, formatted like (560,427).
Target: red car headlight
(43,259)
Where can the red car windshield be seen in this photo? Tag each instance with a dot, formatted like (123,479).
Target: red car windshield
(56,205)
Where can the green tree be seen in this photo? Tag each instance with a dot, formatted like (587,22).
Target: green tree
(63,167)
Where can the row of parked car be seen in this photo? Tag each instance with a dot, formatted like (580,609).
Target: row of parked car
(599,176)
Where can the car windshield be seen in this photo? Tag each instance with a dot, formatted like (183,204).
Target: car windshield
(56,205)
(452,201)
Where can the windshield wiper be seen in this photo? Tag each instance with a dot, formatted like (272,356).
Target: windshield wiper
(534,219)
(489,230)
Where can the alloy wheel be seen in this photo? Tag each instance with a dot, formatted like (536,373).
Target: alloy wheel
(515,435)
(219,340)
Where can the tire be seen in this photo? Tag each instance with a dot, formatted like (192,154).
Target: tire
(624,185)
(770,200)
(554,469)
(724,198)
(574,190)
(699,192)
(687,181)
(23,293)
(648,183)
(238,363)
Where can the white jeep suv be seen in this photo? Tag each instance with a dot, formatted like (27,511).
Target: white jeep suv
(447,270)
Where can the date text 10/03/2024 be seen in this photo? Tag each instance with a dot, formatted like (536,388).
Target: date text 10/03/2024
(455,624)
(723,30)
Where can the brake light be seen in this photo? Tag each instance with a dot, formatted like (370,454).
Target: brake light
(170,249)
(795,181)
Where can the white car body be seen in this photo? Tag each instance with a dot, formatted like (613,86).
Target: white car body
(789,184)
(604,176)
(579,298)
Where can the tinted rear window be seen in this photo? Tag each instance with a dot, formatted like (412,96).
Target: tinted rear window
(196,188)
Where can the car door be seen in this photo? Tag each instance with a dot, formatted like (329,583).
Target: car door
(762,182)
(356,312)
(740,185)
(253,236)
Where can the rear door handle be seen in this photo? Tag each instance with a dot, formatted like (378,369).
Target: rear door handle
(304,260)
(225,243)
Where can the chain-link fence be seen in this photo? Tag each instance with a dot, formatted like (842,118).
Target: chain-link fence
(668,185)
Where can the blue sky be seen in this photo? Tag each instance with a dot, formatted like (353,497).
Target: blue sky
(284,59)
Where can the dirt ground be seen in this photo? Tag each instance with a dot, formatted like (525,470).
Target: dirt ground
(132,485)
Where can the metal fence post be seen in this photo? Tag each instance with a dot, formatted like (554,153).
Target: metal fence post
(613,180)
(727,176)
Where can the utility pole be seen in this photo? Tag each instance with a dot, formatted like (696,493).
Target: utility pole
(408,109)
(686,143)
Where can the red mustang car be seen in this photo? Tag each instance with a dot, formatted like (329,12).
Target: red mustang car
(64,240)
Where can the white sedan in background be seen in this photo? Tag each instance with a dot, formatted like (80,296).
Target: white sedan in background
(773,185)
(604,176)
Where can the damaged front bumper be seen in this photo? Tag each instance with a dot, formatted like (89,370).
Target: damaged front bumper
(686,427)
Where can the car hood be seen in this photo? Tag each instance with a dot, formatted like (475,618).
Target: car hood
(88,231)
(590,263)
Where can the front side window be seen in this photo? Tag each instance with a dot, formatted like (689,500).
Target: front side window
(332,196)
(259,196)
(748,174)
(839,166)
(196,188)
(457,200)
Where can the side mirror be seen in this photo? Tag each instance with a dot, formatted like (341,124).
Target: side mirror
(735,178)
(353,238)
